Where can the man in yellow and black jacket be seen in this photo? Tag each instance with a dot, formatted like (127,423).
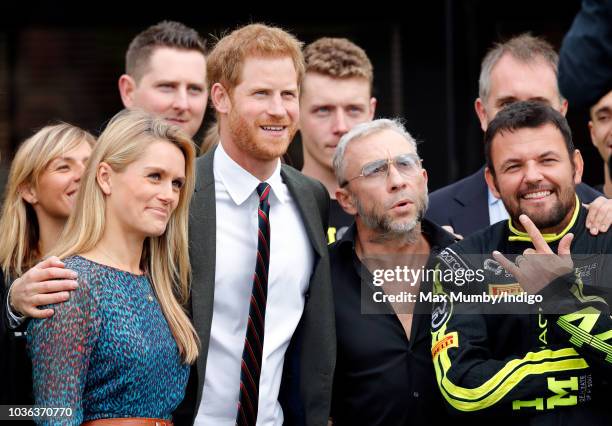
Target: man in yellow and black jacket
(521,326)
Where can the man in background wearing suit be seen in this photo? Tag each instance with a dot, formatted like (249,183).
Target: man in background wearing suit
(522,68)
(255,74)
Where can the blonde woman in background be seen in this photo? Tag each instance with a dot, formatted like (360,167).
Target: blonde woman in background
(120,348)
(39,196)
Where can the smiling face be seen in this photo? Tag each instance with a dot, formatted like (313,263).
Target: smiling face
(54,196)
(262,110)
(172,87)
(534,175)
(141,198)
(329,108)
(385,204)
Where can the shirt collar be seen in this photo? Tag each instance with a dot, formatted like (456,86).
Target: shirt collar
(492,198)
(516,235)
(239,183)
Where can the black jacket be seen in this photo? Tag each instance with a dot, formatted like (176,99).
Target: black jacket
(15,365)
(525,363)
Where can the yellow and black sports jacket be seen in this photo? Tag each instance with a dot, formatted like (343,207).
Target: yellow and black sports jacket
(544,359)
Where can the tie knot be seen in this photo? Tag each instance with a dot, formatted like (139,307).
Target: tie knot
(263,189)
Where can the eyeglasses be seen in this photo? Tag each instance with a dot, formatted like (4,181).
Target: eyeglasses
(406,164)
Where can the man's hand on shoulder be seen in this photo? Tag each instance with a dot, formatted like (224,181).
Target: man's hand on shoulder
(46,283)
(599,217)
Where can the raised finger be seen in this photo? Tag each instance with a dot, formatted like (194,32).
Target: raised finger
(506,264)
(537,239)
(565,244)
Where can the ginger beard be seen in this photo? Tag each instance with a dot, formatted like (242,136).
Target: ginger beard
(252,140)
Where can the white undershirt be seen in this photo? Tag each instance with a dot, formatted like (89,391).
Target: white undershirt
(291,263)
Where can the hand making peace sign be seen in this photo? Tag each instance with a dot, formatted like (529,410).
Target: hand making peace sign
(538,266)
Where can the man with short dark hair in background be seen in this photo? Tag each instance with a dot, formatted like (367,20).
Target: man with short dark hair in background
(600,126)
(165,74)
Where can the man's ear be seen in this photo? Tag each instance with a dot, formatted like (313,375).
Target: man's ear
(564,107)
(591,133)
(578,166)
(127,87)
(373,103)
(28,193)
(425,177)
(346,201)
(481,112)
(491,182)
(220,98)
(103,177)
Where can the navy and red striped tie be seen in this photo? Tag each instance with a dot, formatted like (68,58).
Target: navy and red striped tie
(252,354)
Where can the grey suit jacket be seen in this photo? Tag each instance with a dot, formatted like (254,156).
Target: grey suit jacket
(309,363)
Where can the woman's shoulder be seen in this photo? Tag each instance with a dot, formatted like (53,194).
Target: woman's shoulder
(89,273)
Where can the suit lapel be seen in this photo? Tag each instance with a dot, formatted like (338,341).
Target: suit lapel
(474,198)
(202,251)
(307,206)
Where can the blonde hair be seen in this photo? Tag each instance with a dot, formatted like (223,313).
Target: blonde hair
(164,258)
(226,60)
(18,224)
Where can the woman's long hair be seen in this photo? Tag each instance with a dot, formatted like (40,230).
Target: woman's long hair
(18,224)
(164,258)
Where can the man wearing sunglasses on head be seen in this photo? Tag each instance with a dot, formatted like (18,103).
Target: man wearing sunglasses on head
(384,374)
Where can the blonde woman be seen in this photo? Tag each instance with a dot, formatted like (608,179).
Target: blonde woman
(120,348)
(40,194)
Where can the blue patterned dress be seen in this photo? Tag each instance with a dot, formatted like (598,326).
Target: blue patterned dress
(108,351)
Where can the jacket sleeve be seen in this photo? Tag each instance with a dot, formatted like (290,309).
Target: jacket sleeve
(472,379)
(580,317)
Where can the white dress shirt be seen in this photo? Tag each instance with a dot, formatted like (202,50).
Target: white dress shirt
(291,263)
(497,210)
